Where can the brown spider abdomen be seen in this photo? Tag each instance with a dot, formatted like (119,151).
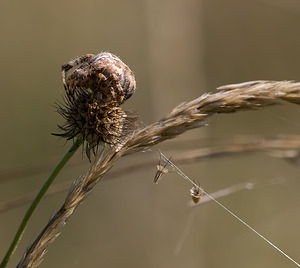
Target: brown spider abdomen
(104,73)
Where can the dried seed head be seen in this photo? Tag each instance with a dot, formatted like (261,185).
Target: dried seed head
(104,74)
(91,108)
(161,169)
(196,194)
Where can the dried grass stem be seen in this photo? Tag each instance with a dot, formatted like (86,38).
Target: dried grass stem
(188,115)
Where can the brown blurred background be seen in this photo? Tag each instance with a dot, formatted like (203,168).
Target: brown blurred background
(178,49)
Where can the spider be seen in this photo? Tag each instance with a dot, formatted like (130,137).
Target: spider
(104,74)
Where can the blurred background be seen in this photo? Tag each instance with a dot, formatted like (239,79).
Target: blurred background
(178,50)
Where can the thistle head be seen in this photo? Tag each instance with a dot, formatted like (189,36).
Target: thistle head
(92,101)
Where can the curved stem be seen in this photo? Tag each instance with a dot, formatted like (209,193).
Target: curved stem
(36,201)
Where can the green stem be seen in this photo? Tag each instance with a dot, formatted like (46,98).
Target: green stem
(36,201)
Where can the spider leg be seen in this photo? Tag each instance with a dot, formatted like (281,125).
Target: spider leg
(108,85)
(117,93)
(66,67)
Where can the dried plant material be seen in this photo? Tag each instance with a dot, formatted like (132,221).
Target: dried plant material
(161,170)
(278,147)
(94,92)
(186,116)
(215,147)
(251,185)
(184,176)
(191,114)
(196,194)
(28,198)
(216,195)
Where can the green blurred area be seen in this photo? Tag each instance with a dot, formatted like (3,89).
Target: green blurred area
(178,50)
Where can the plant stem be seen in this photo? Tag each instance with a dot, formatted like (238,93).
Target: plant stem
(36,201)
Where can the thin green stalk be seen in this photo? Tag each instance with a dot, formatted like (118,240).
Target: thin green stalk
(36,201)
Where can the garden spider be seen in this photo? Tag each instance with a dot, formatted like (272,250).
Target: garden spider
(103,74)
